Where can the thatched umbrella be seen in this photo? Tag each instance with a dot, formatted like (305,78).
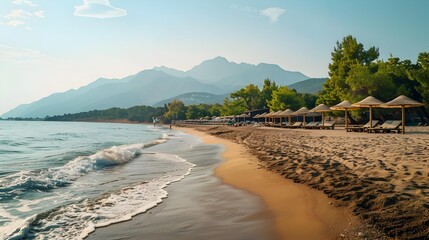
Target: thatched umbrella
(313,115)
(277,115)
(244,116)
(268,116)
(345,105)
(403,102)
(302,111)
(369,102)
(322,108)
(287,113)
(259,116)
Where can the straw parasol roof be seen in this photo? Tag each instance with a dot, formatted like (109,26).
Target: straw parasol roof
(278,113)
(244,115)
(369,102)
(321,108)
(262,115)
(301,111)
(345,105)
(403,102)
(287,112)
(269,114)
(256,116)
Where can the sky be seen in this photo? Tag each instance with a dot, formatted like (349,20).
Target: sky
(49,46)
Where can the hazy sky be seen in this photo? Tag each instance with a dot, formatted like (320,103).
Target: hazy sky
(50,46)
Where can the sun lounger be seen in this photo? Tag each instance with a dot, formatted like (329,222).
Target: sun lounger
(296,125)
(362,128)
(311,125)
(391,126)
(380,128)
(285,124)
(327,125)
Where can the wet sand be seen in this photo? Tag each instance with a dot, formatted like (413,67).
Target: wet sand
(383,179)
(198,207)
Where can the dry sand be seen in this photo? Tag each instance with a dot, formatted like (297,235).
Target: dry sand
(381,178)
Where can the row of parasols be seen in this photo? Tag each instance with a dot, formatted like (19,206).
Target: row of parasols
(370,102)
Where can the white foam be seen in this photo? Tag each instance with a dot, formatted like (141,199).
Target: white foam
(50,178)
(83,217)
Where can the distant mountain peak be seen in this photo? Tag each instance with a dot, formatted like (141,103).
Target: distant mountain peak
(213,76)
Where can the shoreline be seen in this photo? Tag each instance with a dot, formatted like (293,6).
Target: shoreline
(299,212)
(200,206)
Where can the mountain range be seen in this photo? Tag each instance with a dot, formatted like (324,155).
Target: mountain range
(207,82)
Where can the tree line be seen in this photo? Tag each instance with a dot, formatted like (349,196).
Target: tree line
(354,73)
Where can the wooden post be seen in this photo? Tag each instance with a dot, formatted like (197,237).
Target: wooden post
(323,119)
(403,119)
(347,118)
(370,116)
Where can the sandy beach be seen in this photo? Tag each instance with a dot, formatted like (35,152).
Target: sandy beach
(382,179)
(200,206)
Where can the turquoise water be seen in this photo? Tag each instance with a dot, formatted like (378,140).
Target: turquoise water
(63,179)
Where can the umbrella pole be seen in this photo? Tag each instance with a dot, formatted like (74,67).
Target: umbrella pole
(370,116)
(347,119)
(323,120)
(403,120)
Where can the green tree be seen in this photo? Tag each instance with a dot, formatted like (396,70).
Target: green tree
(346,54)
(198,111)
(249,96)
(232,107)
(421,75)
(176,110)
(267,92)
(215,110)
(309,99)
(284,98)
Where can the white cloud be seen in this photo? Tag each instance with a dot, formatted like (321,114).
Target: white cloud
(98,9)
(14,23)
(40,14)
(18,13)
(273,13)
(24,2)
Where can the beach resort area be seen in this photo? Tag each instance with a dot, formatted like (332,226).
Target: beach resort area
(214,120)
(373,178)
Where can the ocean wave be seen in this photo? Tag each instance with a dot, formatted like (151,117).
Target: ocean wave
(47,179)
(81,218)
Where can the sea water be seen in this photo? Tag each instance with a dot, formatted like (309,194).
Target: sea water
(61,180)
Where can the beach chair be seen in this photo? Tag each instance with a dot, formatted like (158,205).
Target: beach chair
(296,125)
(395,126)
(381,128)
(362,128)
(285,124)
(311,125)
(327,125)
(279,124)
